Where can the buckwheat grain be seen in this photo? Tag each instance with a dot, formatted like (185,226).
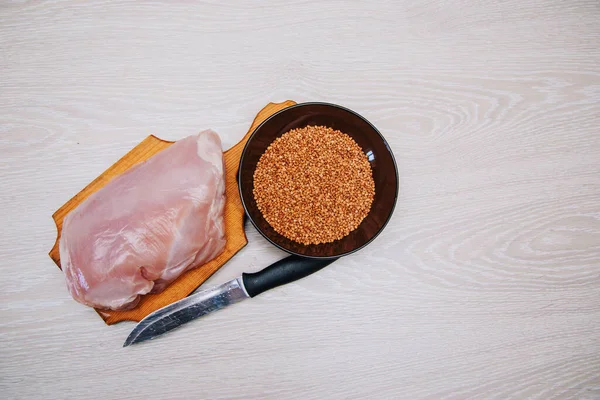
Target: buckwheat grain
(314,185)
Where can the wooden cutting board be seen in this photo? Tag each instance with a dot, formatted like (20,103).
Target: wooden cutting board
(234,219)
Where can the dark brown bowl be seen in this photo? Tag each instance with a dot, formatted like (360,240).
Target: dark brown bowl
(385,174)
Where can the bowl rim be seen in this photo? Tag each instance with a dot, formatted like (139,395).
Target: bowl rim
(300,105)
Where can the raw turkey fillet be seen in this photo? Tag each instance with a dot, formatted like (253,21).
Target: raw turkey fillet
(147,226)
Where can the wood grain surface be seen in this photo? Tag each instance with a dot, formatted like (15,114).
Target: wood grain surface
(485,284)
(233,219)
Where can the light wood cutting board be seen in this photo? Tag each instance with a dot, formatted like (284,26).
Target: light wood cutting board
(234,219)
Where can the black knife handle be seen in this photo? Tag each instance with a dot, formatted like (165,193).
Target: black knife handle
(284,271)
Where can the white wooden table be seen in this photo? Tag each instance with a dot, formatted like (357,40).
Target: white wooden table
(486,283)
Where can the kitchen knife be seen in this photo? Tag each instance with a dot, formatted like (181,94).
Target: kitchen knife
(204,302)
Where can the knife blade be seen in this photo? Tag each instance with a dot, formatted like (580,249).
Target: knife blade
(199,304)
(195,306)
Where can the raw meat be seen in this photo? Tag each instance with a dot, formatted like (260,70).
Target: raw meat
(147,226)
